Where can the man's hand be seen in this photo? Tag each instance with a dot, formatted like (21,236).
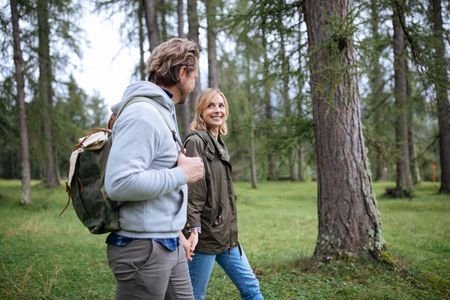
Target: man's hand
(192,167)
(187,246)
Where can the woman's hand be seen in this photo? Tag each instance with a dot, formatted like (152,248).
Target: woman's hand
(193,240)
(186,244)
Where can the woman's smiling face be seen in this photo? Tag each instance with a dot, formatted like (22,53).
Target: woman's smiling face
(214,115)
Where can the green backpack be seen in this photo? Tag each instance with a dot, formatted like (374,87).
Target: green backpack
(85,184)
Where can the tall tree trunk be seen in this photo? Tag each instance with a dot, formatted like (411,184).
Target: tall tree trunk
(441,85)
(404,183)
(301,78)
(249,116)
(267,103)
(292,155)
(194,35)
(45,94)
(253,178)
(152,24)
(140,14)
(301,162)
(20,80)
(376,83)
(163,17)
(211,8)
(180,16)
(349,221)
(414,166)
(185,109)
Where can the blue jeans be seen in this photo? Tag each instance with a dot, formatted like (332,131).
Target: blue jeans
(234,264)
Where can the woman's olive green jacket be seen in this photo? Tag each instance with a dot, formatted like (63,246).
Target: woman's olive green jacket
(212,201)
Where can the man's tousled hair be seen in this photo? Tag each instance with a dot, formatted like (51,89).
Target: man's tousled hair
(165,61)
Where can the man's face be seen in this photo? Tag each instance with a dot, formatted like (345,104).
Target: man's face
(186,84)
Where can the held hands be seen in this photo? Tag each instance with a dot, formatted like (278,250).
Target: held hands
(192,167)
(189,245)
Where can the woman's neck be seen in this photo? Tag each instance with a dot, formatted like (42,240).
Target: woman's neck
(214,132)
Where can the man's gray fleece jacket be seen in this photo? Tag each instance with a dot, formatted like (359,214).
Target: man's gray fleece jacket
(141,169)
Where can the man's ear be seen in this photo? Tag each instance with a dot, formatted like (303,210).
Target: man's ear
(182,72)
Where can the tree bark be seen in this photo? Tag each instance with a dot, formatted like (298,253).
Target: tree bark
(285,71)
(45,94)
(185,112)
(20,80)
(152,24)
(301,162)
(140,14)
(404,183)
(194,35)
(267,103)
(211,8)
(163,18)
(376,84)
(180,16)
(441,85)
(349,221)
(249,115)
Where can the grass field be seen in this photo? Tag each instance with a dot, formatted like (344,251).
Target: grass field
(45,256)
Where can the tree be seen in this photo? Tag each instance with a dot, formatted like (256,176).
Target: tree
(20,79)
(439,70)
(404,183)
(152,23)
(349,221)
(269,134)
(185,113)
(211,10)
(194,35)
(376,84)
(45,92)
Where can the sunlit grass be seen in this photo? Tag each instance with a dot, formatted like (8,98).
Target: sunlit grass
(45,256)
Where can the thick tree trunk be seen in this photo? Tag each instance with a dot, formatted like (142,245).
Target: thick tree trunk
(45,94)
(20,81)
(194,35)
(211,8)
(441,85)
(404,183)
(184,109)
(349,221)
(152,23)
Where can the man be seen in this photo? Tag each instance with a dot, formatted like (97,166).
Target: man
(147,172)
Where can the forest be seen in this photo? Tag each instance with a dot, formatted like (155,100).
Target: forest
(333,106)
(343,93)
(257,53)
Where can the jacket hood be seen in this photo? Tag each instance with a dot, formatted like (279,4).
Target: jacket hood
(144,89)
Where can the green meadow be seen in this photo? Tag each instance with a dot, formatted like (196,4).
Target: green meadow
(47,256)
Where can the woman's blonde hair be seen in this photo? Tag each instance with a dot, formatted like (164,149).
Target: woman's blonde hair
(202,103)
(164,63)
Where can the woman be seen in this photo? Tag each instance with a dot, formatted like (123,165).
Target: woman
(212,203)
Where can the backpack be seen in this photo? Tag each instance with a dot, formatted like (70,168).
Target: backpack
(87,165)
